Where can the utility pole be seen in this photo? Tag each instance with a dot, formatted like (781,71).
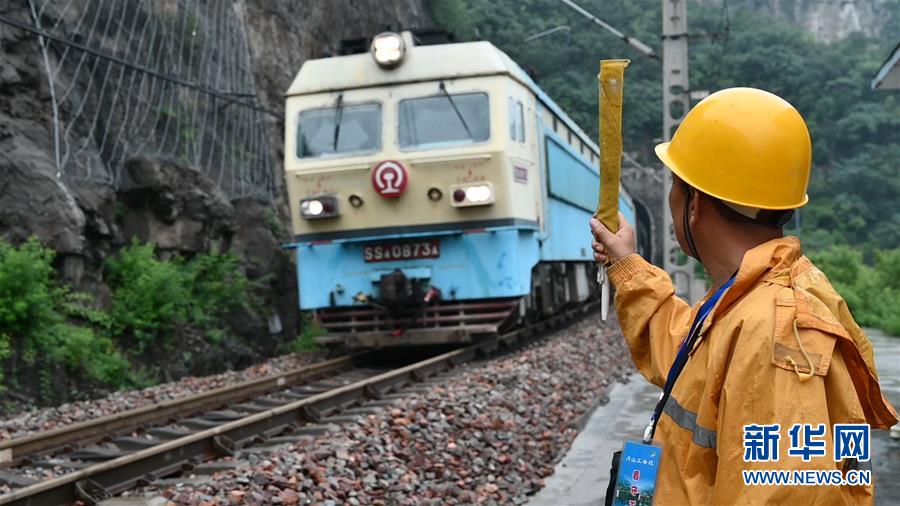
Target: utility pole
(676,103)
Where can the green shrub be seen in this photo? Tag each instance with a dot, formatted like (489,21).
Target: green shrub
(152,296)
(44,326)
(29,298)
(149,295)
(40,322)
(80,349)
(305,342)
(887,265)
(217,285)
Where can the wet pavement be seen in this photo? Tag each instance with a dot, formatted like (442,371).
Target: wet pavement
(886,450)
(582,476)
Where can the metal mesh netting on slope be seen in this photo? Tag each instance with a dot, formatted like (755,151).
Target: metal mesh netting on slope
(162,78)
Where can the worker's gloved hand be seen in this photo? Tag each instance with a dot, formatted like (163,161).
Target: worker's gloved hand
(608,245)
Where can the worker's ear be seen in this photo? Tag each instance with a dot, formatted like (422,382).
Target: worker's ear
(700,205)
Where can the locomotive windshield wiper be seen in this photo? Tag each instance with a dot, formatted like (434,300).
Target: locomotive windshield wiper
(338,116)
(458,113)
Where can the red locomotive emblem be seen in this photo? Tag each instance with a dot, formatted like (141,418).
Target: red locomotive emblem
(389,179)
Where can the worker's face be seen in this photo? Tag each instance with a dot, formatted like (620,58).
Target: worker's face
(677,201)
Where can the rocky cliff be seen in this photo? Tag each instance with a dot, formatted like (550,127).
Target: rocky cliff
(825,20)
(94,153)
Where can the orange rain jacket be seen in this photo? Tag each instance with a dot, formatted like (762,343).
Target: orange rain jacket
(748,368)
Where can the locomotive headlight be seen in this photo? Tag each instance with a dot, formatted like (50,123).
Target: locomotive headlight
(478,194)
(388,49)
(314,208)
(472,194)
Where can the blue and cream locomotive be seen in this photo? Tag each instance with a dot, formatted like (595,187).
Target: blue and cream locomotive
(437,194)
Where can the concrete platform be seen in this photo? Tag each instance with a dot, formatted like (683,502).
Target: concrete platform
(582,476)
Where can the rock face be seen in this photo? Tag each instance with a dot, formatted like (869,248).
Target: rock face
(34,200)
(178,209)
(828,21)
(164,201)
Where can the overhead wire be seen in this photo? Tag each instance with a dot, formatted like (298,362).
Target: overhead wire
(631,41)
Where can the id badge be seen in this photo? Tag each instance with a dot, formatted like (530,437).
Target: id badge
(636,481)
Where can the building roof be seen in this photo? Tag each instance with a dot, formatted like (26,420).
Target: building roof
(888,76)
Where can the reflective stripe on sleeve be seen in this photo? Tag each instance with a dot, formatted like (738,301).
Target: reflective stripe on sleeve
(688,420)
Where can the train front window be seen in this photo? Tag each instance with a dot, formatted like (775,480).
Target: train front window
(442,120)
(340,129)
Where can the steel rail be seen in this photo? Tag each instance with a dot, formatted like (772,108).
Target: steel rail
(13,451)
(100,481)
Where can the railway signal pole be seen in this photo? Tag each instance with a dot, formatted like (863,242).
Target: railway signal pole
(676,103)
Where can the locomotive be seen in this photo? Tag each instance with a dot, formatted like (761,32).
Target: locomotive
(437,193)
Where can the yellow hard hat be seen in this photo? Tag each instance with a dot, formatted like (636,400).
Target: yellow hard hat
(744,146)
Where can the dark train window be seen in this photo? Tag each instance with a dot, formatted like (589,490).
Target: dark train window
(570,139)
(555,125)
(323,131)
(432,122)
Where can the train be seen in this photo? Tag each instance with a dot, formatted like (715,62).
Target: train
(437,194)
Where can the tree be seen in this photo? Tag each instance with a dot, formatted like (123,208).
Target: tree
(856,143)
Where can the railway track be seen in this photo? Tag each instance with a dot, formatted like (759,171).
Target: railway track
(278,409)
(24,450)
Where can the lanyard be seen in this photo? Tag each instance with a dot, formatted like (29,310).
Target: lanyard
(681,358)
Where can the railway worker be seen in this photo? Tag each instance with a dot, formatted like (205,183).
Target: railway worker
(778,347)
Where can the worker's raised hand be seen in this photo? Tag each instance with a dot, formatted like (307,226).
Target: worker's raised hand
(608,245)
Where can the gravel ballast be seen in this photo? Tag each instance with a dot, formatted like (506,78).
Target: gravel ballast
(43,419)
(487,435)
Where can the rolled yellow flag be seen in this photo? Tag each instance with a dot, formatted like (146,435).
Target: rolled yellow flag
(611,85)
